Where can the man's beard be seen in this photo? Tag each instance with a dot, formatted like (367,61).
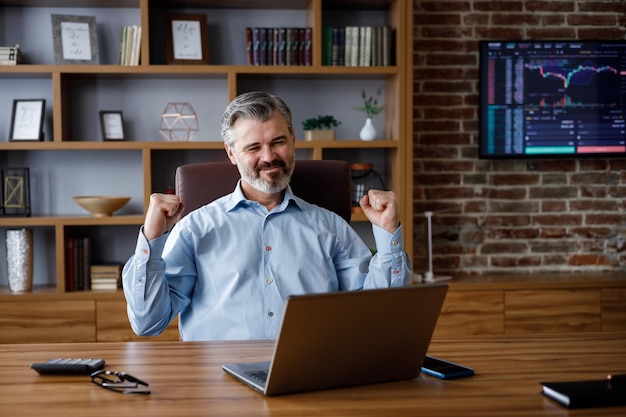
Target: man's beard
(278,181)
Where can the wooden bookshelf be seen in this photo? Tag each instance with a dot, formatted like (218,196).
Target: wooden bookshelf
(73,159)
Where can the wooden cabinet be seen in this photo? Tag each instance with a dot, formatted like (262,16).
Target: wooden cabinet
(550,303)
(74,160)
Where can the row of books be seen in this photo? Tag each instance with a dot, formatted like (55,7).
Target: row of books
(83,275)
(10,55)
(77,262)
(359,46)
(130,45)
(279,46)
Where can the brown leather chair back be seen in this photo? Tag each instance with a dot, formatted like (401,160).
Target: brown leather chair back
(325,183)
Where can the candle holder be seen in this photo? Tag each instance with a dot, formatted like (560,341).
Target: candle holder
(16,192)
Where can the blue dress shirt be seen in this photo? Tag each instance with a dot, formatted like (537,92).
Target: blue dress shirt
(227,268)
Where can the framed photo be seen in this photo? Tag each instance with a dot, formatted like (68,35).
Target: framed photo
(112,125)
(27,119)
(75,40)
(186,39)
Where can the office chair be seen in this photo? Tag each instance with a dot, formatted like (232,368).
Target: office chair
(325,183)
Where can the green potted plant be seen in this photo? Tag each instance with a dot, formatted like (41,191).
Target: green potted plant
(320,128)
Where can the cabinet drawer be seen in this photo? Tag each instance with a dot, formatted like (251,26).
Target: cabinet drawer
(47,321)
(112,324)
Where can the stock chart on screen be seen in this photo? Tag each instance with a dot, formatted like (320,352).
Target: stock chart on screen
(552,98)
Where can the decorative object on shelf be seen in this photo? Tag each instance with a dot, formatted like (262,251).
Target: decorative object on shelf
(27,119)
(364,178)
(19,244)
(179,122)
(186,39)
(429,276)
(10,55)
(320,128)
(112,125)
(16,192)
(371,108)
(368,131)
(75,40)
(101,206)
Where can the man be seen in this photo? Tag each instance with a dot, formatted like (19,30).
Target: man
(227,268)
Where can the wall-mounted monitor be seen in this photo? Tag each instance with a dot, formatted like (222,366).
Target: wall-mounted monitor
(552,98)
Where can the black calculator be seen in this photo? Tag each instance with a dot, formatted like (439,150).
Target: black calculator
(75,366)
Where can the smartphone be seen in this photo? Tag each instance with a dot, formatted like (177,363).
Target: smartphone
(445,369)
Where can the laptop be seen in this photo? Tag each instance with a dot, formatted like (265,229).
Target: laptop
(348,338)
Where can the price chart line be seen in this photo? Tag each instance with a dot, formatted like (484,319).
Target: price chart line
(567,78)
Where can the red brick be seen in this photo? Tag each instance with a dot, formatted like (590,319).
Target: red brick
(590,259)
(550,6)
(587,20)
(498,5)
(560,220)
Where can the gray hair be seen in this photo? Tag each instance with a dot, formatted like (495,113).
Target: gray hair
(254,105)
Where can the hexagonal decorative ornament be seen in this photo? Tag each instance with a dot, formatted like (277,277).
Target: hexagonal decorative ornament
(179,122)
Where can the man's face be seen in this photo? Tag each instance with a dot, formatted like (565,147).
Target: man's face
(264,153)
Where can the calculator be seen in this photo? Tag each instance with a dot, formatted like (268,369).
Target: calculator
(75,366)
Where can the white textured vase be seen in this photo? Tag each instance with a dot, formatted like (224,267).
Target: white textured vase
(368,132)
(19,244)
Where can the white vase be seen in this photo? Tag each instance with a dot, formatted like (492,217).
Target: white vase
(19,244)
(368,132)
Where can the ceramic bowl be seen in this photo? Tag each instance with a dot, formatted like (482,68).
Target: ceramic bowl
(101,206)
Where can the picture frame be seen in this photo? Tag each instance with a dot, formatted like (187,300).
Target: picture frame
(186,39)
(27,119)
(75,40)
(112,125)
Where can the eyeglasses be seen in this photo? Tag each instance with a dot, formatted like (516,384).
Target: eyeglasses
(119,382)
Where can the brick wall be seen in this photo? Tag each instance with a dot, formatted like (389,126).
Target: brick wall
(506,216)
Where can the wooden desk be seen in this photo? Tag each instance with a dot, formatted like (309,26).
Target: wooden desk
(186,380)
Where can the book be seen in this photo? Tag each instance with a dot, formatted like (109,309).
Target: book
(130,45)
(587,393)
(77,259)
(106,276)
(249,57)
(10,55)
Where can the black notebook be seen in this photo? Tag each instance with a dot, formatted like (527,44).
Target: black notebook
(587,394)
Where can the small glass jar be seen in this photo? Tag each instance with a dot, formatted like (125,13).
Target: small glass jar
(364,178)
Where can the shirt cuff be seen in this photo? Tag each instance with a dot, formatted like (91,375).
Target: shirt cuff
(149,250)
(388,242)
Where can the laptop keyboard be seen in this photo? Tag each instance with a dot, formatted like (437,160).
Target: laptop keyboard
(260,375)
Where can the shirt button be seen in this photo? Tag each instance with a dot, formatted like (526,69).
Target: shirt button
(144,251)
(395,271)
(270,314)
(394,242)
(268,248)
(270,280)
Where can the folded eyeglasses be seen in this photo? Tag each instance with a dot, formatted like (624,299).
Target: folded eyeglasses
(119,382)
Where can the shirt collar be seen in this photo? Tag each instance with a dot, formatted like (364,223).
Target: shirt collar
(237,199)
